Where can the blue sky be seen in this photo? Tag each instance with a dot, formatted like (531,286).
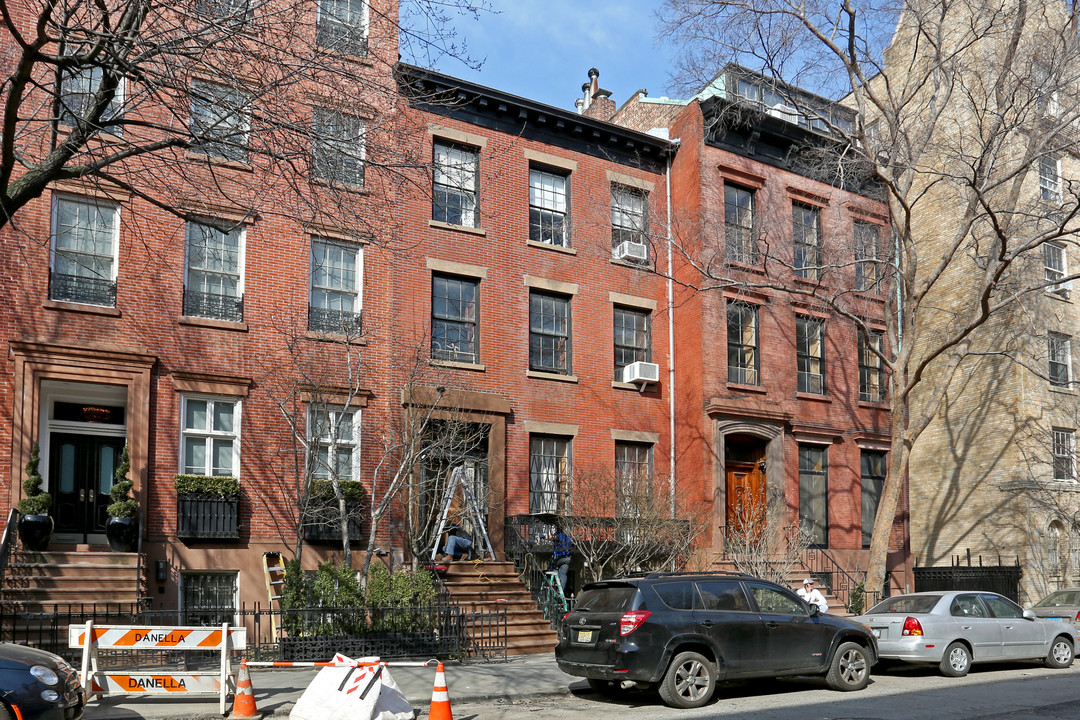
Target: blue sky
(543,49)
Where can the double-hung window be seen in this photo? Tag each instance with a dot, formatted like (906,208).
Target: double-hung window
(873,480)
(633,478)
(549,207)
(632,343)
(337,152)
(333,446)
(342,26)
(230,10)
(84,248)
(457,173)
(739,237)
(455,318)
(629,221)
(214,287)
(810,354)
(219,121)
(867,269)
(806,227)
(1050,178)
(871,367)
(211,436)
(549,474)
(335,301)
(1064,453)
(79,89)
(742,343)
(1056,267)
(1060,357)
(549,332)
(814,493)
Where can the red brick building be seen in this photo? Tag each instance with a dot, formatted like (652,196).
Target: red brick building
(776,390)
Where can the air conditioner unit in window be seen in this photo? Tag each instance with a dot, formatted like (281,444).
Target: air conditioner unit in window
(784,112)
(641,372)
(632,251)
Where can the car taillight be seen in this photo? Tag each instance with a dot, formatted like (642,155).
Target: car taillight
(912,626)
(1077,620)
(631,621)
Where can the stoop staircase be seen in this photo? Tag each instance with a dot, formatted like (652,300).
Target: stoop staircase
(496,585)
(70,577)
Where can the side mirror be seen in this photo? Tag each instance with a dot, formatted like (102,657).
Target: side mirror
(1029,614)
(814,610)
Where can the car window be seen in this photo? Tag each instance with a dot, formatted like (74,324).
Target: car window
(676,595)
(968,606)
(906,604)
(1061,598)
(1003,607)
(774,600)
(606,599)
(724,595)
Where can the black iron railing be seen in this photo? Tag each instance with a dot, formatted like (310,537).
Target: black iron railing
(7,544)
(340,322)
(82,290)
(207,517)
(529,550)
(213,305)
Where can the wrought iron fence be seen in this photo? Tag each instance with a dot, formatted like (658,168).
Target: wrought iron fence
(441,629)
(213,305)
(207,516)
(528,548)
(343,322)
(1002,579)
(84,290)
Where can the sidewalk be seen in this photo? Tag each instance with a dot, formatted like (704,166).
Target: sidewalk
(276,691)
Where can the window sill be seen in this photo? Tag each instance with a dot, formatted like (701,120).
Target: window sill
(479,367)
(637,266)
(552,248)
(458,228)
(874,404)
(758,269)
(1059,296)
(102,135)
(743,387)
(80,308)
(218,161)
(540,375)
(624,385)
(328,337)
(212,323)
(1062,390)
(809,282)
(813,396)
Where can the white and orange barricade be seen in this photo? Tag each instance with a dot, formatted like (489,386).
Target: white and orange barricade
(90,638)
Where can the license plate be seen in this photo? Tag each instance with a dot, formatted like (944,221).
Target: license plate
(584,636)
(876,631)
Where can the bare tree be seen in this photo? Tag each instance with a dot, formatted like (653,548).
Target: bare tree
(763,541)
(964,115)
(165,100)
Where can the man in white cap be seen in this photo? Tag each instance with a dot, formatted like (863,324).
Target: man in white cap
(812,595)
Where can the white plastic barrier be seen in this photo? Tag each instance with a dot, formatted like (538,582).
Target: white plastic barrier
(347,689)
(91,638)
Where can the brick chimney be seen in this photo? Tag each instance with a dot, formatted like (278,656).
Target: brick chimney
(597,102)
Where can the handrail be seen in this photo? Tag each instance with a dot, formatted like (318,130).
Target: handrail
(139,560)
(7,543)
(524,543)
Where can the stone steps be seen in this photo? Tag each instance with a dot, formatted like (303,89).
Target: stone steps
(70,577)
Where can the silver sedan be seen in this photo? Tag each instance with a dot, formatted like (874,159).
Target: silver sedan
(956,629)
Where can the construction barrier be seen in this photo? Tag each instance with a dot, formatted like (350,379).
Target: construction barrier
(91,638)
(347,689)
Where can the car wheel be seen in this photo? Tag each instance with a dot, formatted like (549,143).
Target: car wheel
(5,713)
(604,687)
(689,681)
(956,661)
(849,669)
(1061,653)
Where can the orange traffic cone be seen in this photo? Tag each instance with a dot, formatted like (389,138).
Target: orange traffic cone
(244,702)
(440,698)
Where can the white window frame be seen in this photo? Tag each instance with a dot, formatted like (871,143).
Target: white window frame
(1059,351)
(1063,447)
(457,174)
(1056,266)
(89,78)
(629,215)
(241,231)
(209,434)
(224,137)
(335,156)
(355,292)
(1050,182)
(358,30)
(317,440)
(114,256)
(546,197)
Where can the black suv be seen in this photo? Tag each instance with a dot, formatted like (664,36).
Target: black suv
(687,631)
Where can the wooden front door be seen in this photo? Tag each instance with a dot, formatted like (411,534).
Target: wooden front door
(745,496)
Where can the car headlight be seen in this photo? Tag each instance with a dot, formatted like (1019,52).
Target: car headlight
(50,695)
(44,675)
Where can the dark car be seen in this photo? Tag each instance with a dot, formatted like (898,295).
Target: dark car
(37,685)
(687,631)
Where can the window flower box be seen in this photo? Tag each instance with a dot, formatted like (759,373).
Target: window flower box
(207,508)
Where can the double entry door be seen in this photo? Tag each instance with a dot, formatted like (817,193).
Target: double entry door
(81,473)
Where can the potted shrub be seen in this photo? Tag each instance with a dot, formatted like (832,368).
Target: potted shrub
(207,507)
(35,524)
(322,519)
(122,529)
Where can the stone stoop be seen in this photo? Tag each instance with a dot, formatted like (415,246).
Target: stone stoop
(491,585)
(794,581)
(36,580)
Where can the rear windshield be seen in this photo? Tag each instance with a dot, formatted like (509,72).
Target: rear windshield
(906,604)
(606,599)
(1061,598)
